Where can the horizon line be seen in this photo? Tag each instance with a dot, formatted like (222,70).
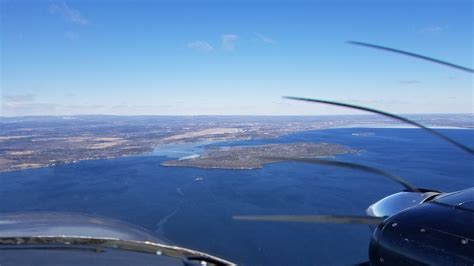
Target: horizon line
(228,115)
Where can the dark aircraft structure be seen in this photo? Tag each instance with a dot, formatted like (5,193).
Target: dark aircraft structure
(422,227)
(417,226)
(76,239)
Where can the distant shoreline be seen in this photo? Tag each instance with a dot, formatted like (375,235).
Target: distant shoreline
(403,127)
(114,152)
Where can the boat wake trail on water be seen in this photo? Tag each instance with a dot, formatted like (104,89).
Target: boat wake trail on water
(161,223)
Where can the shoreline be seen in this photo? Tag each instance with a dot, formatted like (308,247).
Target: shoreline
(153,152)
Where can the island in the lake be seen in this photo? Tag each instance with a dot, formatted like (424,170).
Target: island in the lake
(251,157)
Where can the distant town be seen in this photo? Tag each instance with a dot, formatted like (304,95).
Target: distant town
(33,142)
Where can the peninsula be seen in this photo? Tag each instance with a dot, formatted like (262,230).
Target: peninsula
(251,157)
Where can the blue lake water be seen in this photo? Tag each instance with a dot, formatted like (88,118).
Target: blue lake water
(197,213)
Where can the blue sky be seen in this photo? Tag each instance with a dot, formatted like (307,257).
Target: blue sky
(231,57)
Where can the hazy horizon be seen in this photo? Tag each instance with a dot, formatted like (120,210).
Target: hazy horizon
(360,114)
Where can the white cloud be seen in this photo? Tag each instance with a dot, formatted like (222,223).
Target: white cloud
(27,104)
(68,13)
(18,103)
(228,41)
(70,35)
(264,38)
(201,46)
(408,81)
(19,98)
(433,29)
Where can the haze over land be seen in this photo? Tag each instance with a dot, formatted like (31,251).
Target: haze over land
(32,142)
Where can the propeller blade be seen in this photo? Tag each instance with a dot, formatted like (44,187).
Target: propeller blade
(354,166)
(332,219)
(434,60)
(397,117)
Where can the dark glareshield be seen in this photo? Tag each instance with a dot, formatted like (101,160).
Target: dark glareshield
(77,239)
